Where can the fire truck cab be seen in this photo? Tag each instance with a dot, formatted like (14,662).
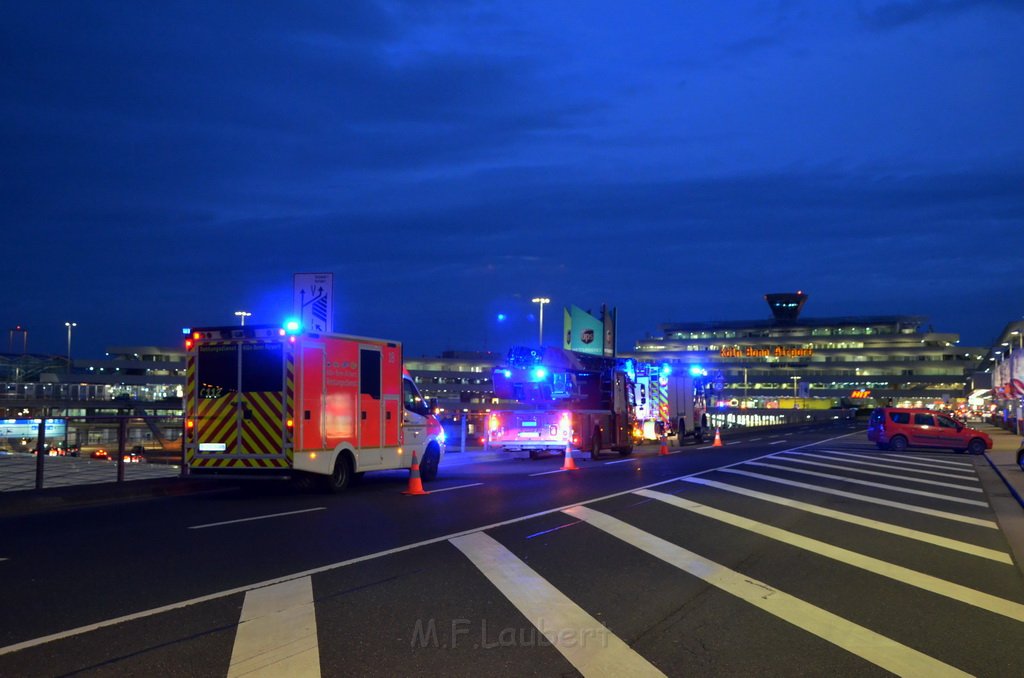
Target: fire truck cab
(562,398)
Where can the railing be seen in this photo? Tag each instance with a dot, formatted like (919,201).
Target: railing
(88,392)
(769,418)
(119,436)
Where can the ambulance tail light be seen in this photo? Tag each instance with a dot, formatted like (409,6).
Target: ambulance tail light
(290,423)
(188,344)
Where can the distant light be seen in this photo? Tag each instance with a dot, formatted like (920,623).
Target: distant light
(502,317)
(186,330)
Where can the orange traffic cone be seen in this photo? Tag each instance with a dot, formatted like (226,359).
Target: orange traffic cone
(718,439)
(664,446)
(415,483)
(570,463)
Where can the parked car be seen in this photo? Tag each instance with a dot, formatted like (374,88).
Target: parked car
(896,428)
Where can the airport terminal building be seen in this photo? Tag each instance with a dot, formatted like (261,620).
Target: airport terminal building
(847,361)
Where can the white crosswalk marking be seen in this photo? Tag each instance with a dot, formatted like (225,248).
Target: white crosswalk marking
(898,462)
(899,530)
(936,483)
(899,573)
(582,639)
(856,639)
(956,517)
(881,486)
(942,474)
(276,634)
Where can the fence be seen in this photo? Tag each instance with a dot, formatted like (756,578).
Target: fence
(132,438)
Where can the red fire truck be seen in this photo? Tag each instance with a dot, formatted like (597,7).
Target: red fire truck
(264,401)
(562,398)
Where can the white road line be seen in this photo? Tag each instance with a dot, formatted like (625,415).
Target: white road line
(276,633)
(3,559)
(777,442)
(457,487)
(579,637)
(956,517)
(217,595)
(905,575)
(899,530)
(623,461)
(894,488)
(931,461)
(705,447)
(937,483)
(942,474)
(547,473)
(899,462)
(862,642)
(246,520)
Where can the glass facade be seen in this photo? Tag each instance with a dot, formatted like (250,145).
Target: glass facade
(847,360)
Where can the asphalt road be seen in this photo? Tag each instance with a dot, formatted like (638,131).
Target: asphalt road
(806,552)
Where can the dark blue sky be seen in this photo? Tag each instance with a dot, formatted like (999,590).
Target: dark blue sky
(167,164)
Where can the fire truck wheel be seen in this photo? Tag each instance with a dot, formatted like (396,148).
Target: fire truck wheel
(595,445)
(338,481)
(428,467)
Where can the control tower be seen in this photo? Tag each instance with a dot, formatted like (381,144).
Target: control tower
(786,306)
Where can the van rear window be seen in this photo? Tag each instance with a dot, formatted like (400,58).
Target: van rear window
(900,417)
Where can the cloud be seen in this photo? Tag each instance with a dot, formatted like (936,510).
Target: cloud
(889,15)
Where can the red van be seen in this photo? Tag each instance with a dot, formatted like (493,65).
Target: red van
(896,428)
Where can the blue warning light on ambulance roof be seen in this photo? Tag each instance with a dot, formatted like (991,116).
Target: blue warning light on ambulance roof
(186,331)
(696,371)
(540,373)
(292,326)
(507,373)
(666,370)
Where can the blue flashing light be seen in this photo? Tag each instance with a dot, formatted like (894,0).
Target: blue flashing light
(696,371)
(502,317)
(292,326)
(186,331)
(507,373)
(540,373)
(629,367)
(666,370)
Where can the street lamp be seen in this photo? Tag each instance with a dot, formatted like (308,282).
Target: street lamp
(69,326)
(795,380)
(243,315)
(541,301)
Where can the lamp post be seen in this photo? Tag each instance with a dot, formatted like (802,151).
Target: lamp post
(243,315)
(24,339)
(541,301)
(795,380)
(69,325)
